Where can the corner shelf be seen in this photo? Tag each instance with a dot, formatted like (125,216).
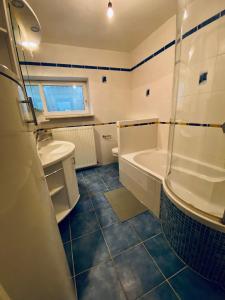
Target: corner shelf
(62,185)
(62,214)
(56,190)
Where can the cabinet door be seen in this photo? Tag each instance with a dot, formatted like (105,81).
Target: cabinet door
(71,180)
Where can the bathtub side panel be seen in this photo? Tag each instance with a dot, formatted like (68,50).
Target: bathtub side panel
(143,186)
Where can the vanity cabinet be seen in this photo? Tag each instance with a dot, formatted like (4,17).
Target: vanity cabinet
(62,184)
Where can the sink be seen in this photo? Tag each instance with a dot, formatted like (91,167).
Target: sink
(52,151)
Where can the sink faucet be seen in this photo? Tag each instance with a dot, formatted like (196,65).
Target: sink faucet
(43,135)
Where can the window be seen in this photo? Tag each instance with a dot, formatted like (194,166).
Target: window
(59,99)
(33,91)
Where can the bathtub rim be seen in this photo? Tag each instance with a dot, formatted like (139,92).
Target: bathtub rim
(191,211)
(147,171)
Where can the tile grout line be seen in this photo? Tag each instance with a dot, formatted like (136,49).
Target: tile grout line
(75,275)
(71,249)
(158,266)
(175,274)
(128,249)
(161,272)
(154,288)
(101,228)
(112,259)
(132,247)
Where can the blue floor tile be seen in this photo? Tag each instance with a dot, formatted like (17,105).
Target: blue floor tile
(64,229)
(89,171)
(146,225)
(108,173)
(113,183)
(82,206)
(99,200)
(83,188)
(164,256)
(106,169)
(162,292)
(88,251)
(79,175)
(137,271)
(97,187)
(106,216)
(83,223)
(85,197)
(89,180)
(68,251)
(99,283)
(189,285)
(120,237)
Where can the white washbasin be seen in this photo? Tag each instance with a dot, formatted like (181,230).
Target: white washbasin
(52,151)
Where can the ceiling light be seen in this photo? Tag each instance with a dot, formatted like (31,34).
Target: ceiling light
(110,11)
(29,45)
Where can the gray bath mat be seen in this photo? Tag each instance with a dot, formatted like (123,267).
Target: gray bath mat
(124,204)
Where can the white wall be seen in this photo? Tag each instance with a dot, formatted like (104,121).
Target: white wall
(109,101)
(203,51)
(123,96)
(156,75)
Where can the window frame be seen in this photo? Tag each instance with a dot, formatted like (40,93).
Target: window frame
(62,114)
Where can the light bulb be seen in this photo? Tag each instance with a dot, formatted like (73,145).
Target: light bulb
(29,45)
(110,11)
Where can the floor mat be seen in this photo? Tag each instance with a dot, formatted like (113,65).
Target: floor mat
(124,204)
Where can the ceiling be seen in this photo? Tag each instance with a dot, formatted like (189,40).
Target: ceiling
(84,22)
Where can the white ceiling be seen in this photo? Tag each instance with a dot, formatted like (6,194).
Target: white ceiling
(84,22)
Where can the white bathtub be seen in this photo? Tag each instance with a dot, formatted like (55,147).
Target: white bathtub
(198,185)
(142,173)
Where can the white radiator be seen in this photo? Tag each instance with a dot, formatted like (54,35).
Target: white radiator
(84,141)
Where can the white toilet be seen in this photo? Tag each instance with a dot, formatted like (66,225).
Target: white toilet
(115,152)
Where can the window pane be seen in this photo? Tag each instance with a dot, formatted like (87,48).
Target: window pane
(33,91)
(64,98)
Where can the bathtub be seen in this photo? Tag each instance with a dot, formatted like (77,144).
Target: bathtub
(142,173)
(198,186)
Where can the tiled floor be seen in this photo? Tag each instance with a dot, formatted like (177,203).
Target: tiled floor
(110,260)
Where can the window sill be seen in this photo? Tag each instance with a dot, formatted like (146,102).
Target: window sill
(48,117)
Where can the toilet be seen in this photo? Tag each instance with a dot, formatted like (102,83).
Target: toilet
(115,152)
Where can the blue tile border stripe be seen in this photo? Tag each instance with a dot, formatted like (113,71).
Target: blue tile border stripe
(181,123)
(150,123)
(151,56)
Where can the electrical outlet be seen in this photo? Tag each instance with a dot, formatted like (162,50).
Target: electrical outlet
(203,77)
(104,79)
